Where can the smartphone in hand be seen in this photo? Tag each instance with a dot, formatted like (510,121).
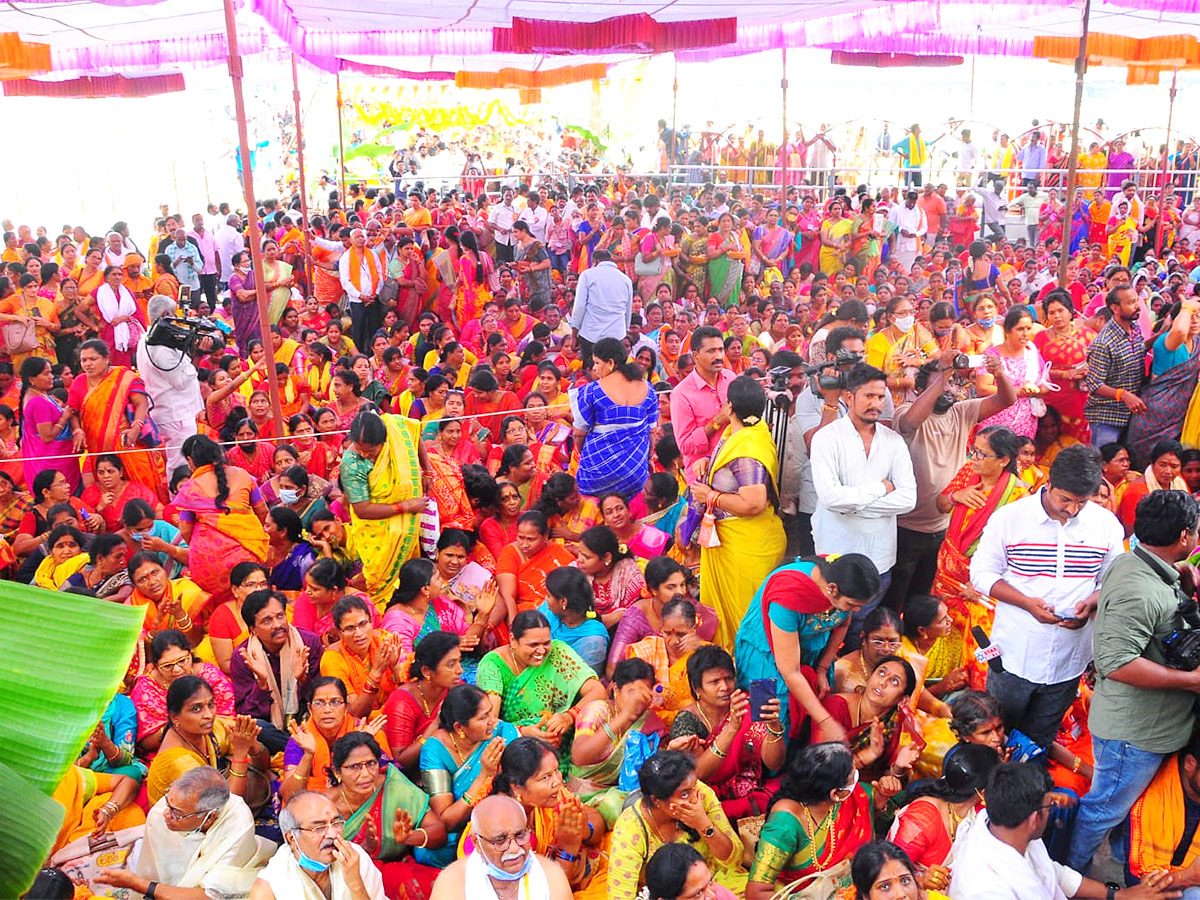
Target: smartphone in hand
(761,691)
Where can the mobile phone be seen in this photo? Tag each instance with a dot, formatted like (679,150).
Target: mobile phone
(761,691)
(185,294)
(974,360)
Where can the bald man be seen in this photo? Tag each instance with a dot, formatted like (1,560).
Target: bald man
(503,866)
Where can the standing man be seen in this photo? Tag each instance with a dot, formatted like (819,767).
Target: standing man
(699,410)
(1042,558)
(210,270)
(603,305)
(501,220)
(1143,710)
(361,274)
(229,241)
(185,260)
(863,476)
(1116,368)
(1030,203)
(991,201)
(968,158)
(913,153)
(934,206)
(911,228)
(1033,160)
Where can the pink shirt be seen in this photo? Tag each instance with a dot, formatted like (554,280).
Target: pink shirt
(695,403)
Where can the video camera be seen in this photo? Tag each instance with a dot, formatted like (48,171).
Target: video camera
(1181,647)
(831,376)
(185,335)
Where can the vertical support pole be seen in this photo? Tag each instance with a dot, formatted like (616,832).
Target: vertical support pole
(1064,253)
(303,180)
(674,127)
(1162,190)
(783,175)
(260,280)
(341,148)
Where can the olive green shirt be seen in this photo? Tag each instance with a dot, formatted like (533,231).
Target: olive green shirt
(1137,610)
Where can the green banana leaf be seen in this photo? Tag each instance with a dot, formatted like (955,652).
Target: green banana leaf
(368,151)
(587,135)
(63,658)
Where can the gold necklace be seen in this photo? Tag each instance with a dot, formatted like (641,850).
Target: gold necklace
(955,820)
(427,707)
(813,829)
(202,754)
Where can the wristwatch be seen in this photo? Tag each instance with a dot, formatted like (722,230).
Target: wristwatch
(710,831)
(1111,888)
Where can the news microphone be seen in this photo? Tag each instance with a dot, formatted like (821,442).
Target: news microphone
(987,652)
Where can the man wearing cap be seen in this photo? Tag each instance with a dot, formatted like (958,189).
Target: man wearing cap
(911,228)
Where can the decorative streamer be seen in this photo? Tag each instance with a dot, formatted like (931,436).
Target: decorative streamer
(892,60)
(201,48)
(638,33)
(523,79)
(96,86)
(19,58)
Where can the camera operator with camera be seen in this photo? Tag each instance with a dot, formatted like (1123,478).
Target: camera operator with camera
(164,361)
(1143,708)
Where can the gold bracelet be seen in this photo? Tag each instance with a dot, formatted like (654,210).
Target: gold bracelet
(1077,765)
(424,837)
(296,774)
(233,774)
(717,751)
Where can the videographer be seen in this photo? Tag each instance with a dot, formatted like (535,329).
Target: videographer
(1143,709)
(172,384)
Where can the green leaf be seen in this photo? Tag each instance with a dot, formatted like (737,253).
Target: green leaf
(64,658)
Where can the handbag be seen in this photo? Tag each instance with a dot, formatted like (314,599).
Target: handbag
(642,268)
(86,857)
(389,291)
(19,337)
(431,528)
(823,885)
(707,537)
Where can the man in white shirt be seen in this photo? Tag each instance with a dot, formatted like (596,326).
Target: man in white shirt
(911,226)
(1042,558)
(172,385)
(968,158)
(1002,855)
(536,217)
(361,272)
(501,220)
(863,475)
(229,241)
(603,304)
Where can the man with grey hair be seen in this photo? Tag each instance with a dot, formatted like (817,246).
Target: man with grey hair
(503,860)
(230,241)
(316,860)
(172,385)
(199,843)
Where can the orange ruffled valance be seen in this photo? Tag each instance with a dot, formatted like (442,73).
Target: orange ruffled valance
(1146,58)
(20,59)
(638,33)
(523,79)
(99,86)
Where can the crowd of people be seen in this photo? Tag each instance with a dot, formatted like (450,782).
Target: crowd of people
(622,538)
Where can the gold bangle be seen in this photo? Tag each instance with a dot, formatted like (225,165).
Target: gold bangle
(233,774)
(717,751)
(295,773)
(1077,765)
(424,837)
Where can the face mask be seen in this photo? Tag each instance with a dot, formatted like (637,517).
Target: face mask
(904,324)
(288,496)
(308,863)
(137,536)
(986,323)
(503,875)
(871,309)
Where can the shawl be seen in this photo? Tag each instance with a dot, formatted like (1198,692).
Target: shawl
(226,859)
(1156,823)
(285,692)
(356,261)
(1152,483)
(52,576)
(534,885)
(286,879)
(113,304)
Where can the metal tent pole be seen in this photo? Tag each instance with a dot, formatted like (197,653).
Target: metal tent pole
(1064,252)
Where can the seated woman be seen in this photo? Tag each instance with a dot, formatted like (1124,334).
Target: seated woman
(536,683)
(675,807)
(93,803)
(112,490)
(196,736)
(613,737)
(569,513)
(110,746)
(560,826)
(468,595)
(679,872)
(1162,474)
(523,565)
(615,576)
(874,720)
(385,813)
(499,530)
(170,658)
(419,608)
(412,709)
(175,604)
(306,758)
(733,752)
(659,504)
(570,608)
(519,467)
(794,627)
(248,453)
(668,653)
(882,871)
(288,554)
(820,817)
(459,761)
(977,719)
(1050,438)
(512,432)
(65,558)
(300,492)
(225,626)
(929,645)
(324,585)
(146,533)
(666,580)
(105,576)
(643,541)
(926,827)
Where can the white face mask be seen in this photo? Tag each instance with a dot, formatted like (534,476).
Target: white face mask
(904,324)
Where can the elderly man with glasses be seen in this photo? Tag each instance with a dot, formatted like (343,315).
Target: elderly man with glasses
(316,860)
(199,843)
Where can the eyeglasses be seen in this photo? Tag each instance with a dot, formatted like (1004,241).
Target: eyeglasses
(883,644)
(254,585)
(976,453)
(369,765)
(335,703)
(179,815)
(177,665)
(353,627)
(323,828)
(499,843)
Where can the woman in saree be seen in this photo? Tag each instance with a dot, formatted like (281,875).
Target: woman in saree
(459,762)
(448,490)
(1118,471)
(570,608)
(615,576)
(75,320)
(306,758)
(1121,230)
(523,565)
(794,627)
(346,400)
(773,246)
(91,275)
(93,803)
(1063,344)
(316,457)
(864,240)
(1080,223)
(120,325)
(807,246)
(901,349)
(110,746)
(47,427)
(225,626)
(987,482)
(536,683)
(471,292)
(932,645)
(675,807)
(221,515)
(835,238)
(725,263)
(733,752)
(385,473)
(289,556)
(499,530)
(588,236)
(1019,359)
(278,278)
(613,737)
(568,512)
(65,557)
(195,735)
(1165,462)
(105,577)
(170,658)
(386,814)
(114,410)
(820,817)
(739,486)
(693,260)
(1174,365)
(112,491)
(512,431)
(412,709)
